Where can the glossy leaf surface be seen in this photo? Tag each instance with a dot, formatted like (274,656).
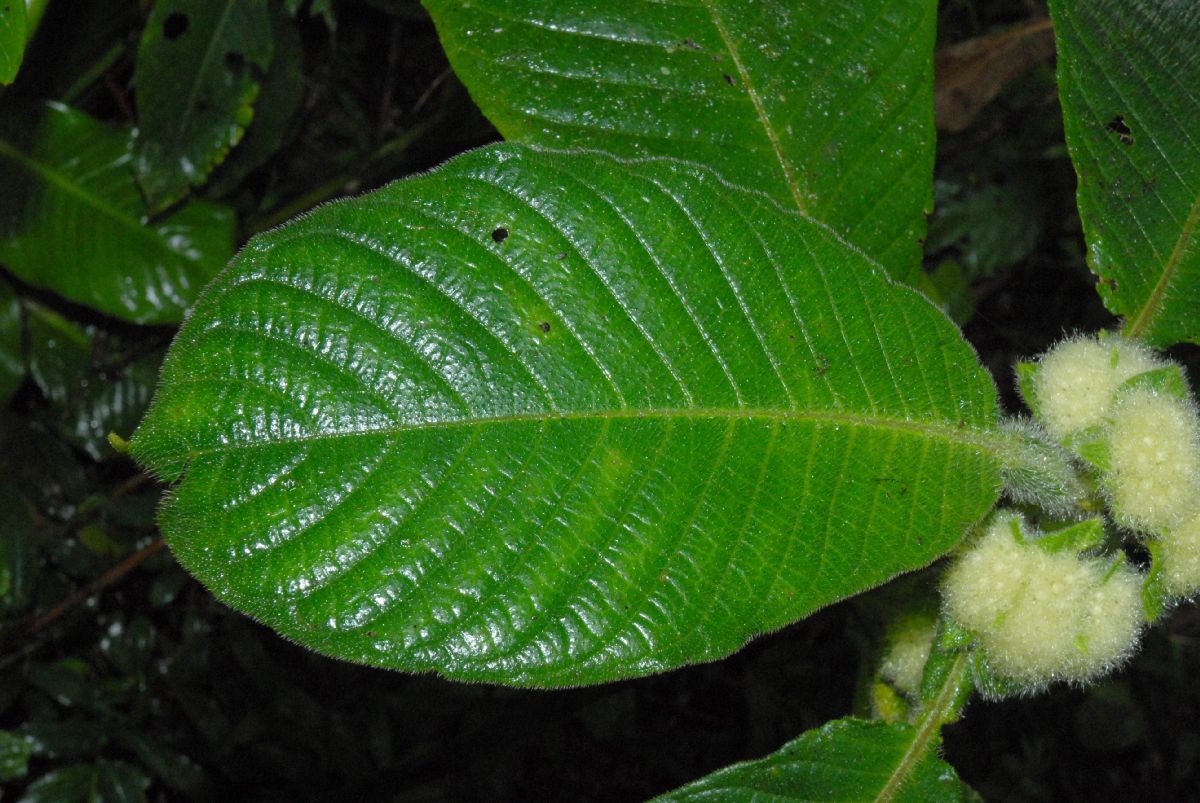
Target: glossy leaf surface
(1128,75)
(72,221)
(95,383)
(199,69)
(548,419)
(828,107)
(12,39)
(847,760)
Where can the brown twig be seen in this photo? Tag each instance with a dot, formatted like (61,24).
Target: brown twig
(99,584)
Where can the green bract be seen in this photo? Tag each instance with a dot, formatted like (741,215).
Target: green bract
(550,418)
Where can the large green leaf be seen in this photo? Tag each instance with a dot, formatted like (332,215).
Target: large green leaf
(12,38)
(826,106)
(199,68)
(1128,74)
(550,418)
(847,760)
(72,221)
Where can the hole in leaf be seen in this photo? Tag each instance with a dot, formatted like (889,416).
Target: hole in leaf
(175,25)
(1118,126)
(235,62)
(499,234)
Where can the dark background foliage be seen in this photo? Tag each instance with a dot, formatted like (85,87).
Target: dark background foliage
(120,673)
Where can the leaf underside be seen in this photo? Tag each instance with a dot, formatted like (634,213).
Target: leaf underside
(549,419)
(828,107)
(847,760)
(72,221)
(1128,74)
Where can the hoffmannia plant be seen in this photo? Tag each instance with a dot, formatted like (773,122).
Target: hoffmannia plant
(661,372)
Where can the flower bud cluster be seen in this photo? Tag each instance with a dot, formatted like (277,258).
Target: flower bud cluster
(1130,414)
(1041,614)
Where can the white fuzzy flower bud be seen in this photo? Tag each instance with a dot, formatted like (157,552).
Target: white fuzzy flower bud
(1076,380)
(1154,456)
(1038,615)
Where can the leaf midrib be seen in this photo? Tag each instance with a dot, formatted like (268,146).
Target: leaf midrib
(1154,301)
(785,164)
(990,439)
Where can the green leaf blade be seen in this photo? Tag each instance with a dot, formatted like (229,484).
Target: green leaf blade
(73,223)
(199,70)
(827,109)
(847,760)
(552,419)
(13,33)
(1124,73)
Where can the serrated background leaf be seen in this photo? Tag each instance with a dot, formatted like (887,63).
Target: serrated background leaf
(550,419)
(828,107)
(72,221)
(1128,74)
(846,760)
(200,65)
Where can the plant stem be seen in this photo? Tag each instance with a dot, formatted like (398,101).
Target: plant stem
(103,581)
(943,708)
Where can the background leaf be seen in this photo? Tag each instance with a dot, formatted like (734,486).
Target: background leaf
(12,39)
(1128,73)
(845,760)
(96,382)
(199,68)
(274,109)
(828,107)
(72,221)
(89,783)
(550,419)
(12,362)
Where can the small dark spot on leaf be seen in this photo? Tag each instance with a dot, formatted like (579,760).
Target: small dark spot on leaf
(821,366)
(690,44)
(561,255)
(1118,126)
(792,338)
(544,326)
(371,634)
(235,62)
(175,25)
(728,78)
(499,234)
